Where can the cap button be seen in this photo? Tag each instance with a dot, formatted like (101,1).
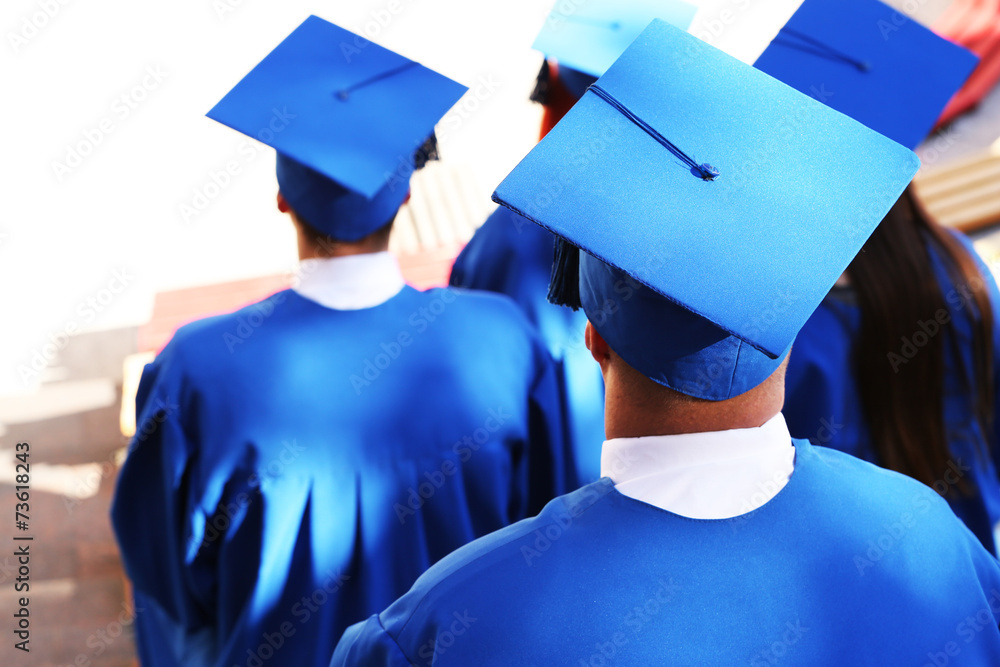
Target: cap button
(706,172)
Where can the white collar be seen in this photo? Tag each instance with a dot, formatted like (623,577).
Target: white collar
(715,475)
(350,283)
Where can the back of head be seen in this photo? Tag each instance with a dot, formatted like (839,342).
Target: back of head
(345,150)
(699,275)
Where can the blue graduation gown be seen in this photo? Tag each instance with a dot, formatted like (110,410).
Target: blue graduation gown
(296,467)
(511,255)
(822,403)
(848,565)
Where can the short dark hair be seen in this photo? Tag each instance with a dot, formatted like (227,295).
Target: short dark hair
(325,243)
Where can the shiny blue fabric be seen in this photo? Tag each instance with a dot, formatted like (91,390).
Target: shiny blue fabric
(668,343)
(297,467)
(327,206)
(822,404)
(589,36)
(848,565)
(741,250)
(870,62)
(513,256)
(575,81)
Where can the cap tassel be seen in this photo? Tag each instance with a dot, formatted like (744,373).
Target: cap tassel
(704,171)
(344,94)
(543,85)
(821,49)
(428,151)
(564,286)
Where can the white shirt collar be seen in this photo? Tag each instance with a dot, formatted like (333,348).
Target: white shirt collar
(715,475)
(350,283)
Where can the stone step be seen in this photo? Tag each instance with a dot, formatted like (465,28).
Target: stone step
(73,622)
(66,422)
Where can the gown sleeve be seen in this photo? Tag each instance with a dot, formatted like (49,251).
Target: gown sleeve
(368,643)
(490,259)
(152,504)
(994,295)
(550,469)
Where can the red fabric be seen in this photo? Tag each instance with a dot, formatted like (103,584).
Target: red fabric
(559,104)
(975,24)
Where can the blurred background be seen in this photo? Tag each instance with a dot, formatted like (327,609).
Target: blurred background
(128,213)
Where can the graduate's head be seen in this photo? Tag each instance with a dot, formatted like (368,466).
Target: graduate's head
(581,40)
(637,405)
(557,89)
(322,203)
(314,243)
(349,128)
(699,273)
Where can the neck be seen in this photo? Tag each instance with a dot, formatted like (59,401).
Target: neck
(308,250)
(311,245)
(635,406)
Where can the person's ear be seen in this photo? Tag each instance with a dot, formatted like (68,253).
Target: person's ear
(598,347)
(283,203)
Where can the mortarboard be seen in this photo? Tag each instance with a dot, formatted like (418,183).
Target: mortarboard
(714,207)
(349,124)
(865,59)
(589,36)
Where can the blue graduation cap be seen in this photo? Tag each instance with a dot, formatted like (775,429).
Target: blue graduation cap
(704,210)
(859,58)
(589,36)
(349,125)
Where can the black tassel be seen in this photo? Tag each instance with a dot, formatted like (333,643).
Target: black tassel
(564,287)
(427,152)
(543,85)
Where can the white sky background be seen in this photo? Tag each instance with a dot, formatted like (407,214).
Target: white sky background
(61,240)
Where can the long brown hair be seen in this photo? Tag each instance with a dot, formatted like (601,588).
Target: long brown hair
(901,301)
